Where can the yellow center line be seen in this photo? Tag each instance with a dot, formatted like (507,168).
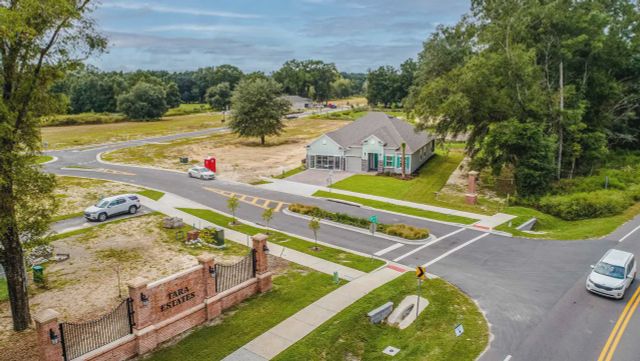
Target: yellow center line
(619,328)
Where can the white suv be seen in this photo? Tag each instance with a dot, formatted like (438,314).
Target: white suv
(613,274)
(111,206)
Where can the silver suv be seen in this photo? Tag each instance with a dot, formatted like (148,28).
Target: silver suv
(111,206)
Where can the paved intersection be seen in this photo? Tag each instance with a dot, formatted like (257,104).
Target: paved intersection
(532,291)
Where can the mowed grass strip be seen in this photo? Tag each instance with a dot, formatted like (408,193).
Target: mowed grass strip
(153,194)
(396,208)
(350,336)
(292,291)
(364,264)
(79,135)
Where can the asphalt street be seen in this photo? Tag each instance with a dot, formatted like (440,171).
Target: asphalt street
(532,291)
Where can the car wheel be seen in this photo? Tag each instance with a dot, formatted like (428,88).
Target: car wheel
(102,217)
(133,210)
(202,177)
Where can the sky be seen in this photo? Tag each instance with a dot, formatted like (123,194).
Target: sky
(260,35)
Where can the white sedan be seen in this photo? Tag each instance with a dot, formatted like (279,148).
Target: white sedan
(201,172)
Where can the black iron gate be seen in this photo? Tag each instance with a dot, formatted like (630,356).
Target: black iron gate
(228,276)
(80,338)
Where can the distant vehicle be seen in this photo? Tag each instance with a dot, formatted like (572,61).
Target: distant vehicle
(331,106)
(613,274)
(201,172)
(111,206)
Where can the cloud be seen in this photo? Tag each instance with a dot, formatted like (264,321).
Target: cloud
(177,10)
(205,28)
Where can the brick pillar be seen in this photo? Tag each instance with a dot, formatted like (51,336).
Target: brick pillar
(142,314)
(262,262)
(472,196)
(208,264)
(46,327)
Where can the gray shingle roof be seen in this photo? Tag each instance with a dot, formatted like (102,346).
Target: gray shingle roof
(392,131)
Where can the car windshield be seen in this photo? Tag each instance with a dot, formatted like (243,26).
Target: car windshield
(102,204)
(201,170)
(606,269)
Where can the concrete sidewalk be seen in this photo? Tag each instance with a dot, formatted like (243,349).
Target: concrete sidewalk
(168,203)
(303,189)
(294,328)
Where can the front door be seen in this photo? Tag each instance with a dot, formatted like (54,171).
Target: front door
(373,161)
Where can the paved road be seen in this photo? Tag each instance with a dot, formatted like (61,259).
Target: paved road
(532,291)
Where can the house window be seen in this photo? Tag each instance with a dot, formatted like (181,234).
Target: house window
(389,161)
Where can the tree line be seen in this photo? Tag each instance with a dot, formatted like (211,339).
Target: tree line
(147,94)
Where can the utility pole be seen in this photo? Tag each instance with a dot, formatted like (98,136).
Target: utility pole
(560,132)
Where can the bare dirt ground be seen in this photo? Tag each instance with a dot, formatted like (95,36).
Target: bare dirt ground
(86,286)
(76,194)
(238,159)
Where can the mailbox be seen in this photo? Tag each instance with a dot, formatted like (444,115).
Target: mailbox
(210,164)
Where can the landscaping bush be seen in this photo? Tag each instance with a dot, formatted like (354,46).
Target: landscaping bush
(400,230)
(585,205)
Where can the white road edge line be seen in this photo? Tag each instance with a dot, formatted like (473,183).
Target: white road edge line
(628,234)
(507,358)
(427,245)
(388,249)
(454,250)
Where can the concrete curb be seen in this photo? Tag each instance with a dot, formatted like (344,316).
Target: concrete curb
(361,230)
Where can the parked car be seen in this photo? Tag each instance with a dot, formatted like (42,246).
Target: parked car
(112,206)
(613,274)
(202,173)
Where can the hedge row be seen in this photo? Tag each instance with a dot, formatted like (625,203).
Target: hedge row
(398,230)
(584,205)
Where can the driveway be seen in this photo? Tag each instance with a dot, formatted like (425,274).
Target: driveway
(319,177)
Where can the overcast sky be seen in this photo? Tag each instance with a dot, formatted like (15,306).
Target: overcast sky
(262,34)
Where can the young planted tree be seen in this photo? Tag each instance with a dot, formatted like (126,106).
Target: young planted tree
(232,204)
(314,226)
(40,40)
(258,109)
(267,216)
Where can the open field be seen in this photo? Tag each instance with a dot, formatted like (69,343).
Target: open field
(79,135)
(335,255)
(188,108)
(350,336)
(357,101)
(238,159)
(293,289)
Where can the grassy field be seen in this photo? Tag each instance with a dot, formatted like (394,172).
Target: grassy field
(79,135)
(188,108)
(295,289)
(344,258)
(397,208)
(355,100)
(350,336)
(4,293)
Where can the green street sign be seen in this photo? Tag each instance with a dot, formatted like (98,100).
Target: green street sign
(373,219)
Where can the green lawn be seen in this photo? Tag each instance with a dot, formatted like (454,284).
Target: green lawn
(188,108)
(289,173)
(43,159)
(344,258)
(149,193)
(396,208)
(295,289)
(4,293)
(556,228)
(350,336)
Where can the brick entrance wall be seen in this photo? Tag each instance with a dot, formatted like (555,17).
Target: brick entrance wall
(165,308)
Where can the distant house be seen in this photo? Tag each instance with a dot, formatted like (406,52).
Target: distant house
(372,143)
(298,103)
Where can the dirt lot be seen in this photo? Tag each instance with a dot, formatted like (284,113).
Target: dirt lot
(86,286)
(76,194)
(239,159)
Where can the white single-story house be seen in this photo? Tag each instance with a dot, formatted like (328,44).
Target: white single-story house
(297,102)
(372,143)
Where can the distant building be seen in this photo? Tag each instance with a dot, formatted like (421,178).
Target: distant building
(371,143)
(297,102)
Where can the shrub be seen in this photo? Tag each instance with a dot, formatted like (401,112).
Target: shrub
(406,231)
(585,205)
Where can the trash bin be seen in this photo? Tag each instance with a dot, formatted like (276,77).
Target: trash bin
(38,274)
(184,160)
(219,237)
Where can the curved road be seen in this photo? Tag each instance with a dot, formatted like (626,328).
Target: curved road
(532,291)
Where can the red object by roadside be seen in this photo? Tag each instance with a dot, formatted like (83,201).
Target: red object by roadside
(210,164)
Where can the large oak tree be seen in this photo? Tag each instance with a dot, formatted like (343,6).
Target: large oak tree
(40,40)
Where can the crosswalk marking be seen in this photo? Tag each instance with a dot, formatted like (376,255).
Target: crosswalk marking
(252,200)
(454,250)
(388,249)
(427,245)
